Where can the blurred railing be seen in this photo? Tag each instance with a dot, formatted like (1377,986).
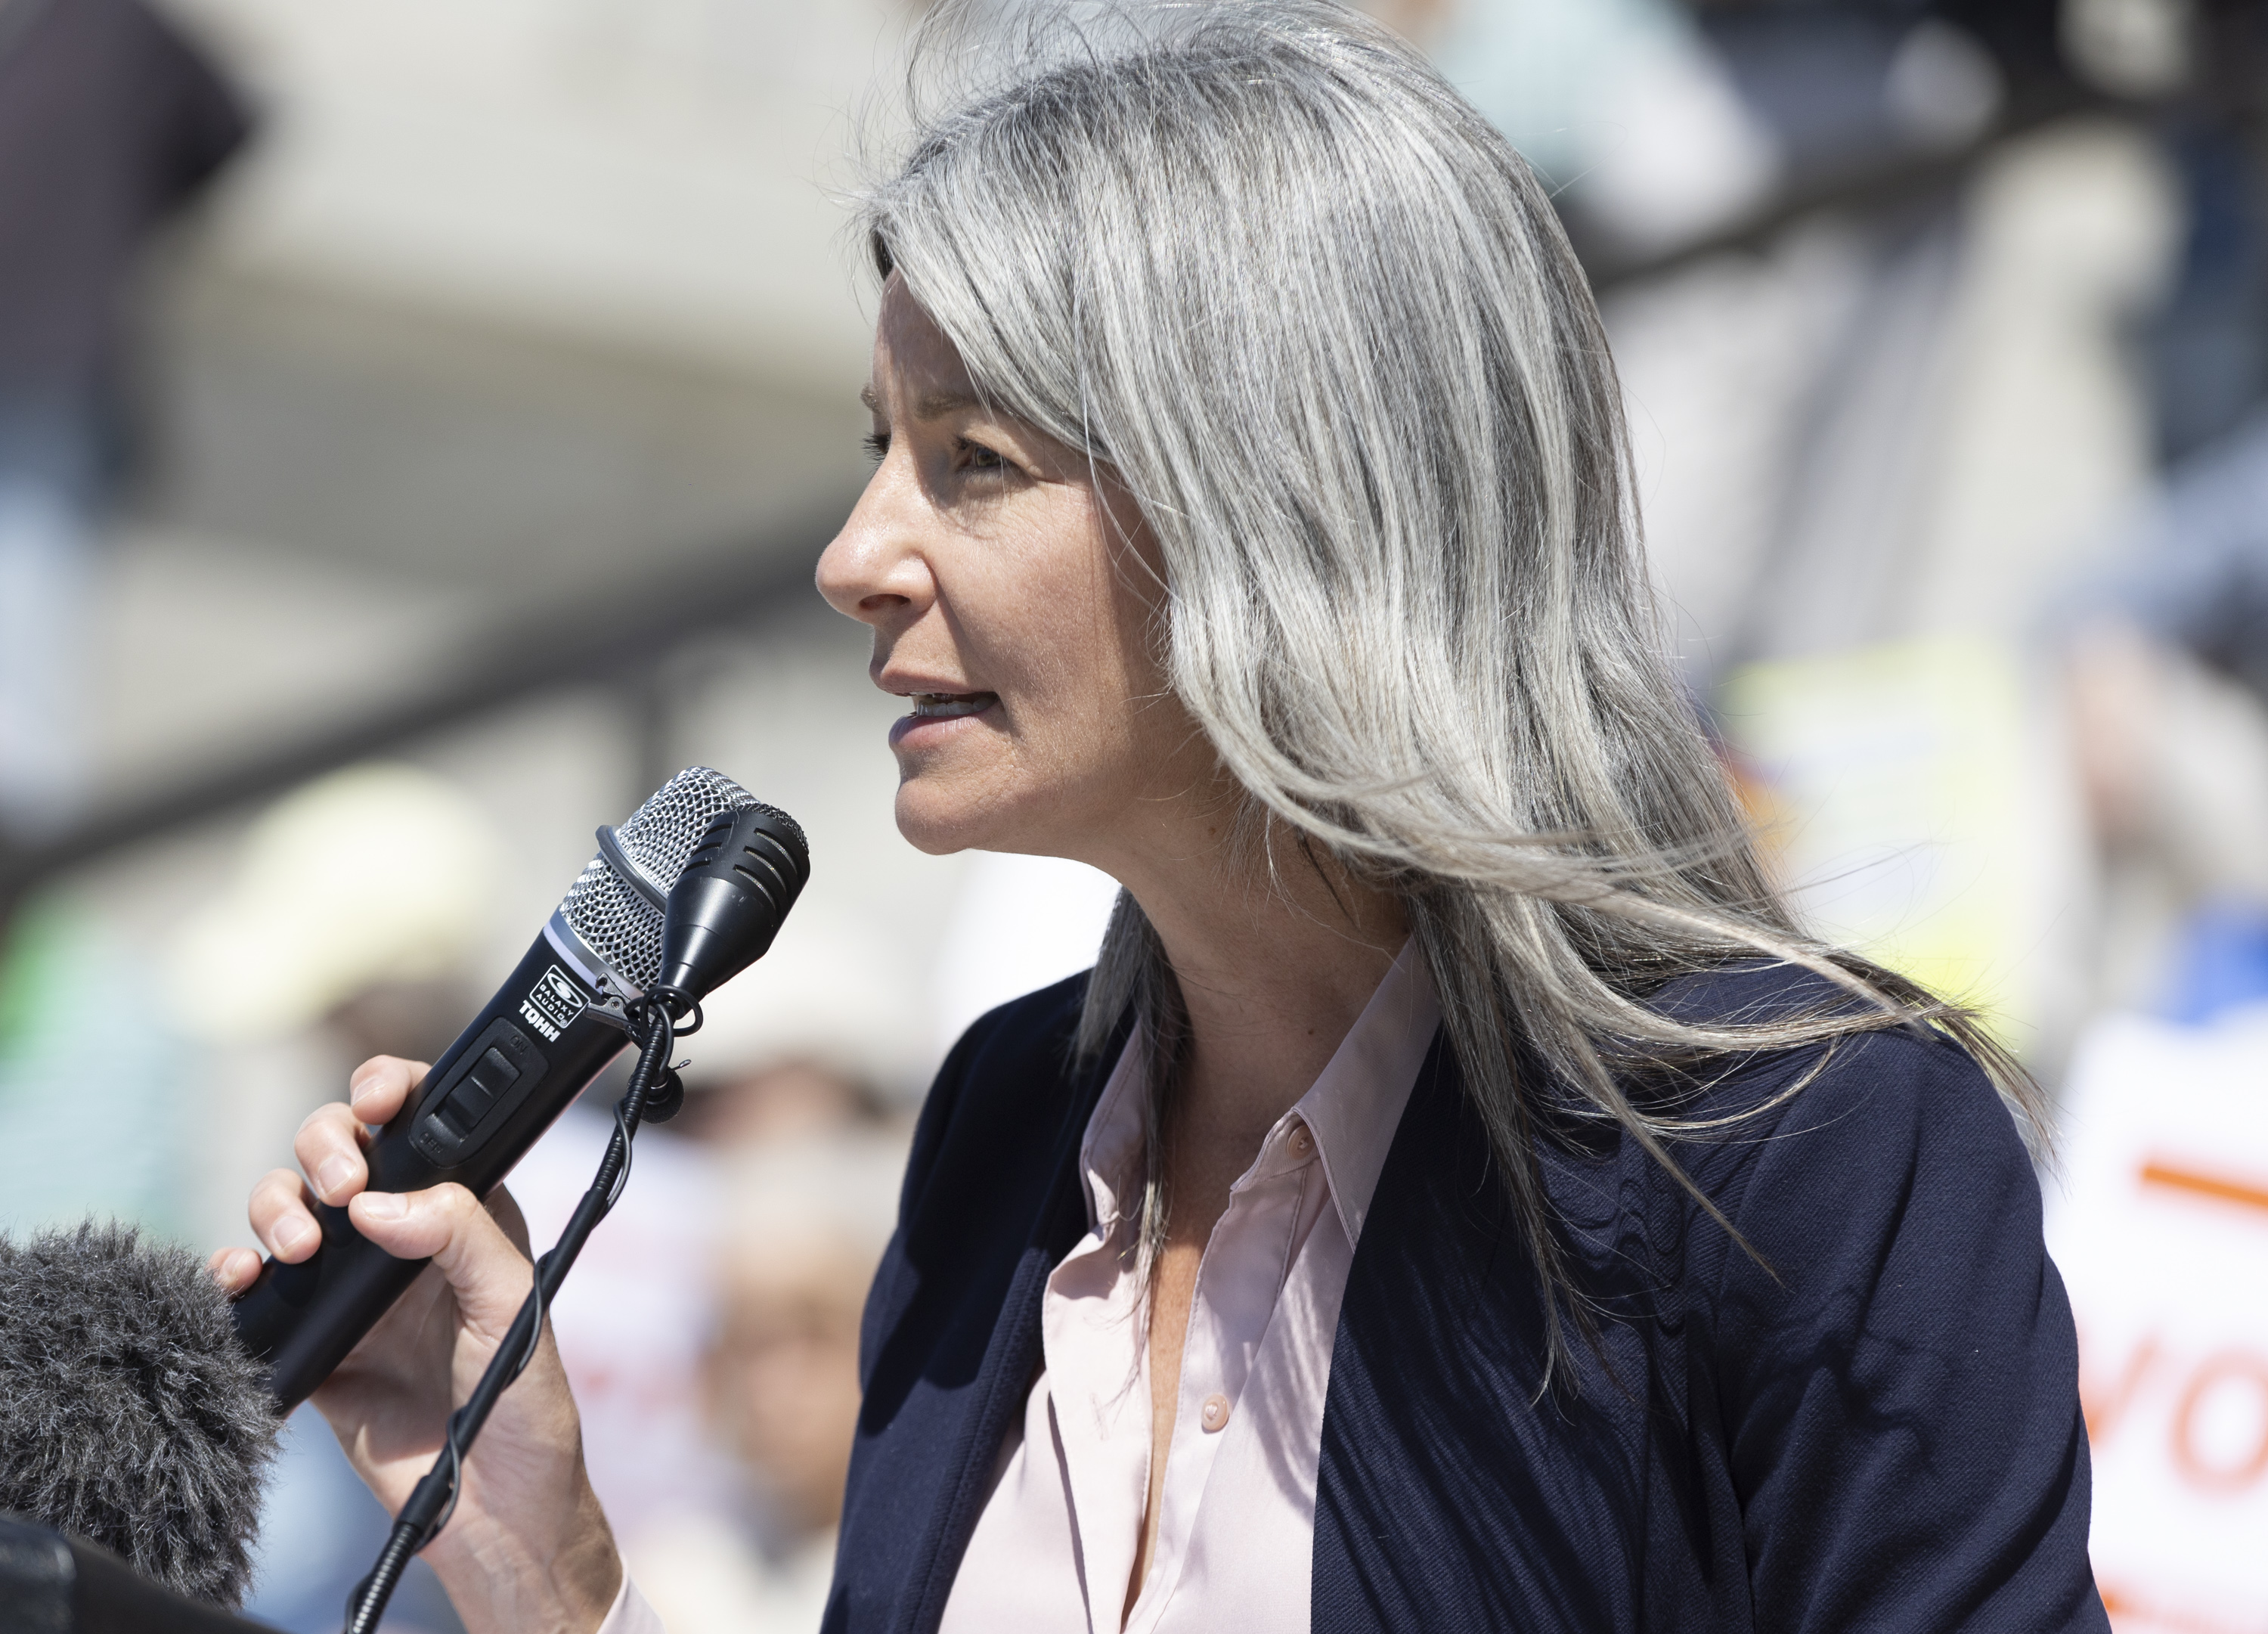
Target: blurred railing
(617,638)
(1902,178)
(624,640)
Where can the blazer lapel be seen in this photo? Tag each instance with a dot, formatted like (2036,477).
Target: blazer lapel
(1011,1360)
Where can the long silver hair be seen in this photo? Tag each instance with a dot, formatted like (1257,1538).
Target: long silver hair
(1262,262)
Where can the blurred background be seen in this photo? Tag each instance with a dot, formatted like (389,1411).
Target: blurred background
(418,422)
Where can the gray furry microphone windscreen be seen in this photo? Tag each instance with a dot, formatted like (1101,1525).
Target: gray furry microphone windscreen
(129,1414)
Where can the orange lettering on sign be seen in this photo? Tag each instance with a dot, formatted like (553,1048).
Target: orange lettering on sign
(2242,1369)
(2103,1410)
(2250,1193)
(2129,1609)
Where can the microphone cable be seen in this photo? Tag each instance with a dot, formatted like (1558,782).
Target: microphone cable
(655,1094)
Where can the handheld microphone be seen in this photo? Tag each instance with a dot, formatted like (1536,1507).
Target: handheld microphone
(129,1415)
(551,1028)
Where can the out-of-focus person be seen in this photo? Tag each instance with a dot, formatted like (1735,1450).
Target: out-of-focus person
(110,121)
(803,1222)
(665,1306)
(632,1322)
(2165,650)
(784,1099)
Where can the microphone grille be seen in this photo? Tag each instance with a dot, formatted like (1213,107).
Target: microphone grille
(611,914)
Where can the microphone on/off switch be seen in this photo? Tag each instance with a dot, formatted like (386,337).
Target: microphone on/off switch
(491,1077)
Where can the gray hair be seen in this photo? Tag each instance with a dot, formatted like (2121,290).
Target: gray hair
(1259,259)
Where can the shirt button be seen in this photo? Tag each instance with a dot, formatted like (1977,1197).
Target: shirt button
(1214,1413)
(1302,1144)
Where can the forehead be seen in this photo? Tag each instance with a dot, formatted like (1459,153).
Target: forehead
(915,364)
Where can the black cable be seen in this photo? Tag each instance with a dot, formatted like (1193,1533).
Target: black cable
(434,1499)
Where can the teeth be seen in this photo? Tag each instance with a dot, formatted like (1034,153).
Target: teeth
(936,704)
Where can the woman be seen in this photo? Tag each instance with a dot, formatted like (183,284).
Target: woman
(1458,1197)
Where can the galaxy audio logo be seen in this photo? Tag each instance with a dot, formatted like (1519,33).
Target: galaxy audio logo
(551,1004)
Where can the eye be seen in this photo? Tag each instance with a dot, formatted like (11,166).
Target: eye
(978,457)
(878,445)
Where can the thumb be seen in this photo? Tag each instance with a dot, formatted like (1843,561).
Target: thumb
(488,1273)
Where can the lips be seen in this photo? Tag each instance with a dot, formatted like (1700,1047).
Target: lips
(945,705)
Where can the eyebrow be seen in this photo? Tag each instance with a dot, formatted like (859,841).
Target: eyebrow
(930,406)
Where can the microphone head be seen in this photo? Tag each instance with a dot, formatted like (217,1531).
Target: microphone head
(615,906)
(729,901)
(129,1414)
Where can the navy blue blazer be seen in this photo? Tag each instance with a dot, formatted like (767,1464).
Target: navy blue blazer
(1879,1432)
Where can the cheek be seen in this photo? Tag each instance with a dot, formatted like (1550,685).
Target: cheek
(1085,674)
(1086,640)
(1065,647)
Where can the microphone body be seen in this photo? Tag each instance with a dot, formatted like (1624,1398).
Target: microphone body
(551,1028)
(52,1583)
(547,1033)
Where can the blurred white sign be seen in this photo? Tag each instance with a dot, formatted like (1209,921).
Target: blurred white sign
(2161,1234)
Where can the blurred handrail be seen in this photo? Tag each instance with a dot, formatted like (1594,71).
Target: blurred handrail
(608,638)
(614,635)
(2237,93)
(1878,184)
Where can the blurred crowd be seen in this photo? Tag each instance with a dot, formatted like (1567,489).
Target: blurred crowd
(1944,328)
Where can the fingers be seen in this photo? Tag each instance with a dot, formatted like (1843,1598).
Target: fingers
(380,1087)
(233,1269)
(282,1217)
(329,1145)
(487,1273)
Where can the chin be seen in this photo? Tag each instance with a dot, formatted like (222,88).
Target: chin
(939,825)
(938,819)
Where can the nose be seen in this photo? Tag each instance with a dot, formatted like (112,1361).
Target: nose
(875,570)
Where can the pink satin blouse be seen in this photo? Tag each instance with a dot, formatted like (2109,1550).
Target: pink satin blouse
(1055,1545)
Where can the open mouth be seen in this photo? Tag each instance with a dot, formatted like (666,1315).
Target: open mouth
(943,705)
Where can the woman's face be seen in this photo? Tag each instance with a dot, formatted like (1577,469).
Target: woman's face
(1013,616)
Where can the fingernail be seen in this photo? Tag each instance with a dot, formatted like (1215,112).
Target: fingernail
(360,1085)
(384,1205)
(294,1235)
(336,1171)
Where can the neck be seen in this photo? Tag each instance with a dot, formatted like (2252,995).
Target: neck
(1274,971)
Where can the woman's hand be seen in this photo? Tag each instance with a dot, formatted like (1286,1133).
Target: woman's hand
(528,1547)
